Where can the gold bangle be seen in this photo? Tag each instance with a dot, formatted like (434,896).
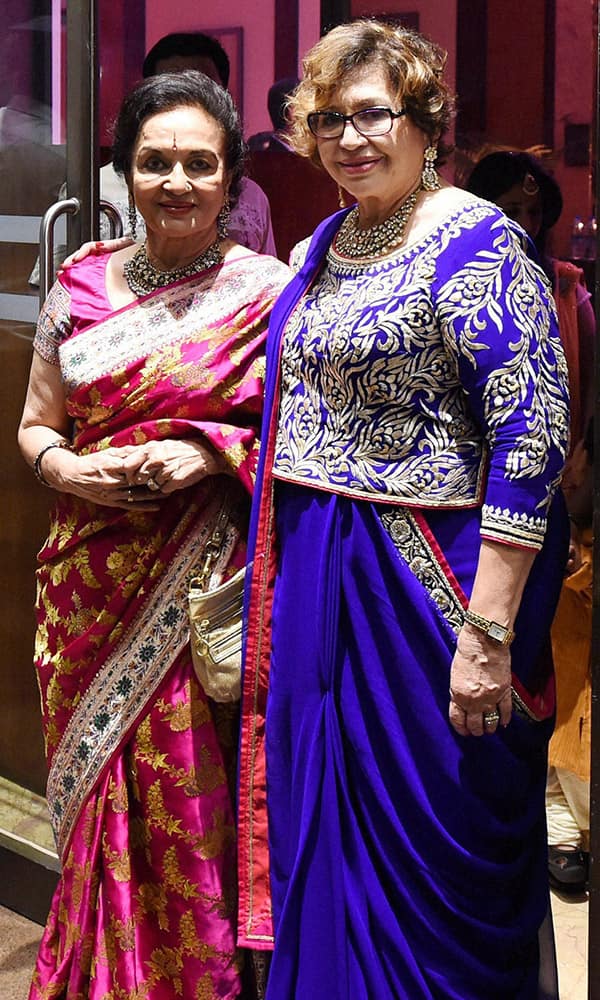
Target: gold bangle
(37,462)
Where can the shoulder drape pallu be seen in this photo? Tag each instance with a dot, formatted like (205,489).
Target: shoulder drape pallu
(405,861)
(137,786)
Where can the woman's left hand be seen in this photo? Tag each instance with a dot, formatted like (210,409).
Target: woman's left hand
(480,683)
(166,466)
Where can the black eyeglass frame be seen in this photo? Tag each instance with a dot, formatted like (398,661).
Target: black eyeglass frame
(343,119)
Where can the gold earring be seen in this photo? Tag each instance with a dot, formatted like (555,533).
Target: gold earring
(341,197)
(430,180)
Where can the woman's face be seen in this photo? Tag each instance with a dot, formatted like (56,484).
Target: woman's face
(178,177)
(524,208)
(384,167)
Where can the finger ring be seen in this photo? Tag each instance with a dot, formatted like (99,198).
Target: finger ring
(152,484)
(491,718)
(129,496)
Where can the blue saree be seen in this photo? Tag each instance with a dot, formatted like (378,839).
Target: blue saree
(406,862)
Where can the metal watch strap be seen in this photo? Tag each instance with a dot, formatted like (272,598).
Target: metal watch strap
(499,633)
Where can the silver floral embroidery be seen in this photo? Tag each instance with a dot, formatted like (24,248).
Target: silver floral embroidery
(373,400)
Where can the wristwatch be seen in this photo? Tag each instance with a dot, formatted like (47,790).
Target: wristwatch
(499,633)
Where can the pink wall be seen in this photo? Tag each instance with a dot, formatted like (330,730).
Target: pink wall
(438,22)
(309,27)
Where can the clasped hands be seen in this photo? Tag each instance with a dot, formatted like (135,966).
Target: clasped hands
(134,477)
(480,684)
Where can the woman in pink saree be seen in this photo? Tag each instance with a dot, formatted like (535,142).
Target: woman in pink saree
(142,412)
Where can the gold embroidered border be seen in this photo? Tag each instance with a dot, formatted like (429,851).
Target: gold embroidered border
(124,684)
(412,545)
(508,526)
(416,551)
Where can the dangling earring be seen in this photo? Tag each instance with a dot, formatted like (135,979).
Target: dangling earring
(132,215)
(341,197)
(430,180)
(223,219)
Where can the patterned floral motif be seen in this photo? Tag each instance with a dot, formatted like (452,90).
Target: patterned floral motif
(119,690)
(430,378)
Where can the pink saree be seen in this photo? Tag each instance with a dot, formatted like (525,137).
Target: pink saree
(138,757)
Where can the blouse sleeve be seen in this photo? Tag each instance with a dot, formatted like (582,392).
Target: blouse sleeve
(54,323)
(298,254)
(498,320)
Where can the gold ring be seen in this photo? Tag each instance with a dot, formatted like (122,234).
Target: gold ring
(491,718)
(152,484)
(130,496)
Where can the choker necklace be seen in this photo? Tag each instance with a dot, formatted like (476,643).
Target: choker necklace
(350,241)
(143,277)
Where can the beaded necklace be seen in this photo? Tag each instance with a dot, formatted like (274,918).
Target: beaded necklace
(143,277)
(350,241)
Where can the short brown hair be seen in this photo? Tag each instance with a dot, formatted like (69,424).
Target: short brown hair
(414,67)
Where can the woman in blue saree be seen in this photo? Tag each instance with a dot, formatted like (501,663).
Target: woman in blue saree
(408,553)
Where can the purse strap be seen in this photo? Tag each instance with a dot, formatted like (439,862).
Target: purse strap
(213,547)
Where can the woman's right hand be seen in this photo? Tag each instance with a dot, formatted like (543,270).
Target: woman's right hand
(98,477)
(95,248)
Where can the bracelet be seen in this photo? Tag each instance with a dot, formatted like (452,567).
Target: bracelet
(499,633)
(37,462)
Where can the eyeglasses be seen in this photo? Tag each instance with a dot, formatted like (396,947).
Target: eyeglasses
(370,121)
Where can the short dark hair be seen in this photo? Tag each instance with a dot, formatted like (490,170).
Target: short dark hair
(176,90)
(498,172)
(192,43)
(277,100)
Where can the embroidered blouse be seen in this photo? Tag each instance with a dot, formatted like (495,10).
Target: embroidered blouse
(433,377)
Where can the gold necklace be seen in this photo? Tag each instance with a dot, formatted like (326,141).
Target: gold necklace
(350,241)
(143,277)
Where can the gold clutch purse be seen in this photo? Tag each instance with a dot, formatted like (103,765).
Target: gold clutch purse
(216,624)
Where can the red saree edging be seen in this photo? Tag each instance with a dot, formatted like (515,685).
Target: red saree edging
(255,922)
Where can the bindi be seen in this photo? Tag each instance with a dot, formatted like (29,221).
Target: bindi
(174,146)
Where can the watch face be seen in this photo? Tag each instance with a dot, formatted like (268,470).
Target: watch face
(497,632)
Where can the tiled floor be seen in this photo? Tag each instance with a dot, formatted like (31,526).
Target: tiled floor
(19,940)
(571,933)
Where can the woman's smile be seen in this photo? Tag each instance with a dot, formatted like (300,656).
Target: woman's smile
(360,165)
(177,207)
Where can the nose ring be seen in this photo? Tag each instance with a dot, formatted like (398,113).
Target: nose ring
(188,186)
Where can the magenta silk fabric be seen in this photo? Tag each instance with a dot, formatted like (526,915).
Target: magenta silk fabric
(139,760)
